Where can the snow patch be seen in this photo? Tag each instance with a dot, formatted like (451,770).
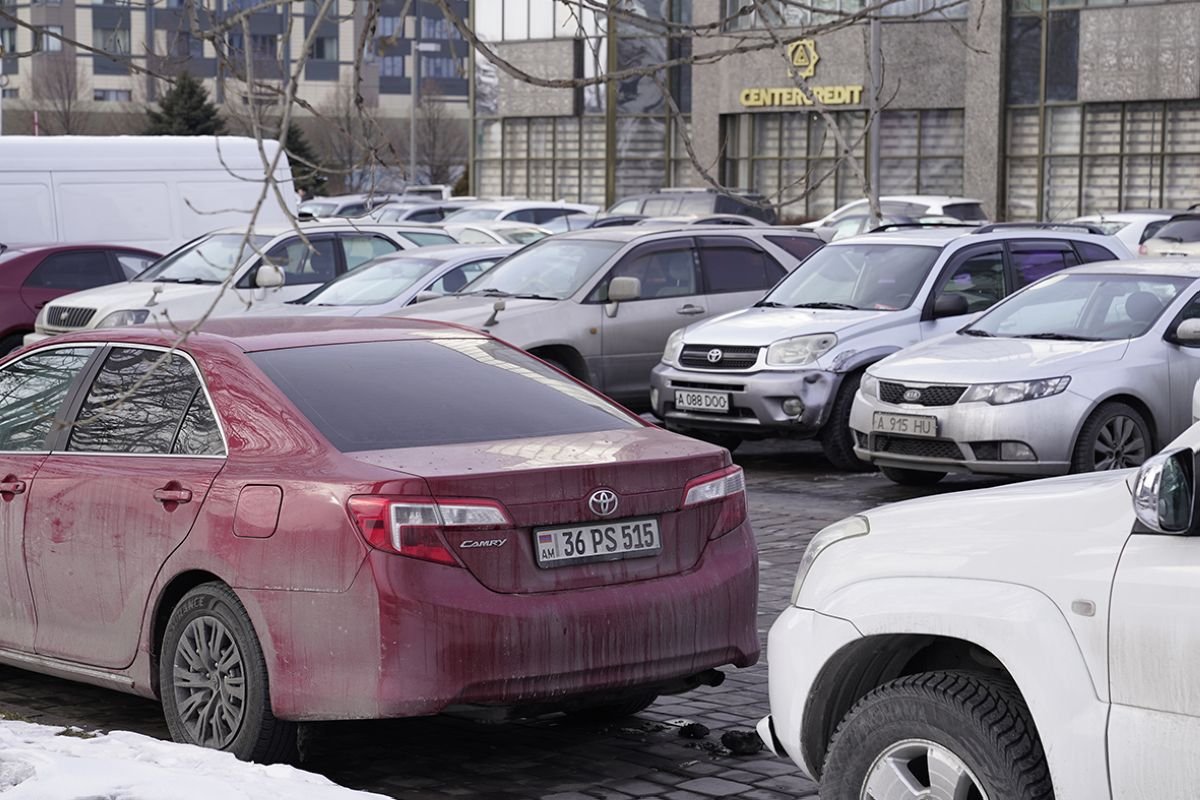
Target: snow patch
(38,763)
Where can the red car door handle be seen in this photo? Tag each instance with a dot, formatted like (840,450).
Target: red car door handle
(689,309)
(173,495)
(9,486)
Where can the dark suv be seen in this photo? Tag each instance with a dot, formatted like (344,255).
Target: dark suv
(680,202)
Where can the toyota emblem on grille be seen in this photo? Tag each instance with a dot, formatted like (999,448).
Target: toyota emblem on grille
(62,315)
(911,395)
(714,355)
(603,502)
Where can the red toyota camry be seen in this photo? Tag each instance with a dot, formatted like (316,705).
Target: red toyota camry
(321,518)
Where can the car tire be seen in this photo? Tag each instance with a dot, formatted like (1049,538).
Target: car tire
(978,729)
(211,613)
(1117,428)
(911,477)
(627,706)
(837,440)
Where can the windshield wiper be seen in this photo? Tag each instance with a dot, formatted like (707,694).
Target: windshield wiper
(1168,238)
(530,296)
(178,280)
(490,293)
(1059,337)
(823,304)
(975,332)
(769,304)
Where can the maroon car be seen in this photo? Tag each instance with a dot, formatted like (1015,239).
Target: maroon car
(329,518)
(33,275)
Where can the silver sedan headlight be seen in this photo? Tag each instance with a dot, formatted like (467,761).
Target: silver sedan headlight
(848,528)
(1000,394)
(128,316)
(869,386)
(800,350)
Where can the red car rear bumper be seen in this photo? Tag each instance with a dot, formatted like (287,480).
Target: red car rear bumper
(440,638)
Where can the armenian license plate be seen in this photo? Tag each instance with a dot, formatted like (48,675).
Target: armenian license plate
(904,424)
(712,402)
(599,541)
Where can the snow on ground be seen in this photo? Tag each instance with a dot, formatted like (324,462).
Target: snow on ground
(38,762)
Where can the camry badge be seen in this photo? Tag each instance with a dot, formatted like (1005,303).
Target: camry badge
(911,395)
(603,502)
(714,355)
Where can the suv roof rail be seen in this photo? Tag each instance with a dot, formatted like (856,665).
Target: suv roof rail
(900,226)
(1084,227)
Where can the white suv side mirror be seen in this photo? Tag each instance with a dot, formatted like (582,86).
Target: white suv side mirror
(1164,492)
(269,276)
(1188,332)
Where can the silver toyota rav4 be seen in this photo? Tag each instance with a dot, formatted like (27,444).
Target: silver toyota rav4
(790,365)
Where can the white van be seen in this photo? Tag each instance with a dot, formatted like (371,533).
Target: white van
(148,191)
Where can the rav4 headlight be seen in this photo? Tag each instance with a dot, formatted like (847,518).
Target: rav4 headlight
(673,349)
(848,528)
(999,394)
(800,350)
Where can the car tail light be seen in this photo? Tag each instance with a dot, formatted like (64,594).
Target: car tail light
(412,526)
(727,487)
(1142,250)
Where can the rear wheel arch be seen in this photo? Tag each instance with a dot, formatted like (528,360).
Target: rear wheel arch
(565,357)
(866,664)
(168,598)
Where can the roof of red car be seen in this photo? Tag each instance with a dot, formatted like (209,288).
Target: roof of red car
(278,333)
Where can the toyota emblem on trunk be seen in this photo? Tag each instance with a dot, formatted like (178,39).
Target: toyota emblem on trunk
(715,355)
(603,502)
(911,395)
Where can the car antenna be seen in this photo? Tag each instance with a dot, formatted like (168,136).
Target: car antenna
(497,307)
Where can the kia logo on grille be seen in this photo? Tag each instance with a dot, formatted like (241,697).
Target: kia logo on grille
(715,355)
(911,395)
(603,502)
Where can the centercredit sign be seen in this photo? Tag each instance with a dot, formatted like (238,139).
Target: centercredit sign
(804,57)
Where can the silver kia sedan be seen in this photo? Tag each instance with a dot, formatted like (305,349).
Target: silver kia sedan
(1089,369)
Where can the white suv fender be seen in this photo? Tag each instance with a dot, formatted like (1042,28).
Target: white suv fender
(1022,628)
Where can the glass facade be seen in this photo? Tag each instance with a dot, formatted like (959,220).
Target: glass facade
(792,157)
(745,14)
(1064,158)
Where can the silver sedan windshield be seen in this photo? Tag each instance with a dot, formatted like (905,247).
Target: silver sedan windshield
(883,277)
(1082,307)
(552,268)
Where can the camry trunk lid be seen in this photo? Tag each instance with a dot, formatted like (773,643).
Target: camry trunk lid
(545,485)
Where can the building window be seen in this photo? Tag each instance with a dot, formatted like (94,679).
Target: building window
(184,45)
(745,14)
(8,40)
(1101,157)
(10,94)
(438,28)
(112,95)
(391,66)
(325,48)
(515,20)
(442,67)
(793,157)
(49,39)
(262,45)
(390,27)
(541,157)
(111,41)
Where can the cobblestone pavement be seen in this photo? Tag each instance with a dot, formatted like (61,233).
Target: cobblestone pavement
(792,494)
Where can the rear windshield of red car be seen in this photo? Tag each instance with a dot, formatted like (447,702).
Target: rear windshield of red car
(386,395)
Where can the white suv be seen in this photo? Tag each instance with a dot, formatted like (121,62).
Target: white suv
(790,366)
(1020,643)
(270,264)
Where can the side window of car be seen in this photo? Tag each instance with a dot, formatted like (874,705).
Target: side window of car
(736,265)
(978,276)
(1093,252)
(625,207)
(353,210)
(800,247)
(81,269)
(138,402)
(360,248)
(1032,262)
(133,264)
(524,215)
(668,271)
(31,392)
(546,214)
(199,434)
(302,264)
(660,206)
(427,215)
(474,236)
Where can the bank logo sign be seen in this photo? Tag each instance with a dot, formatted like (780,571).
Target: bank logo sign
(804,57)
